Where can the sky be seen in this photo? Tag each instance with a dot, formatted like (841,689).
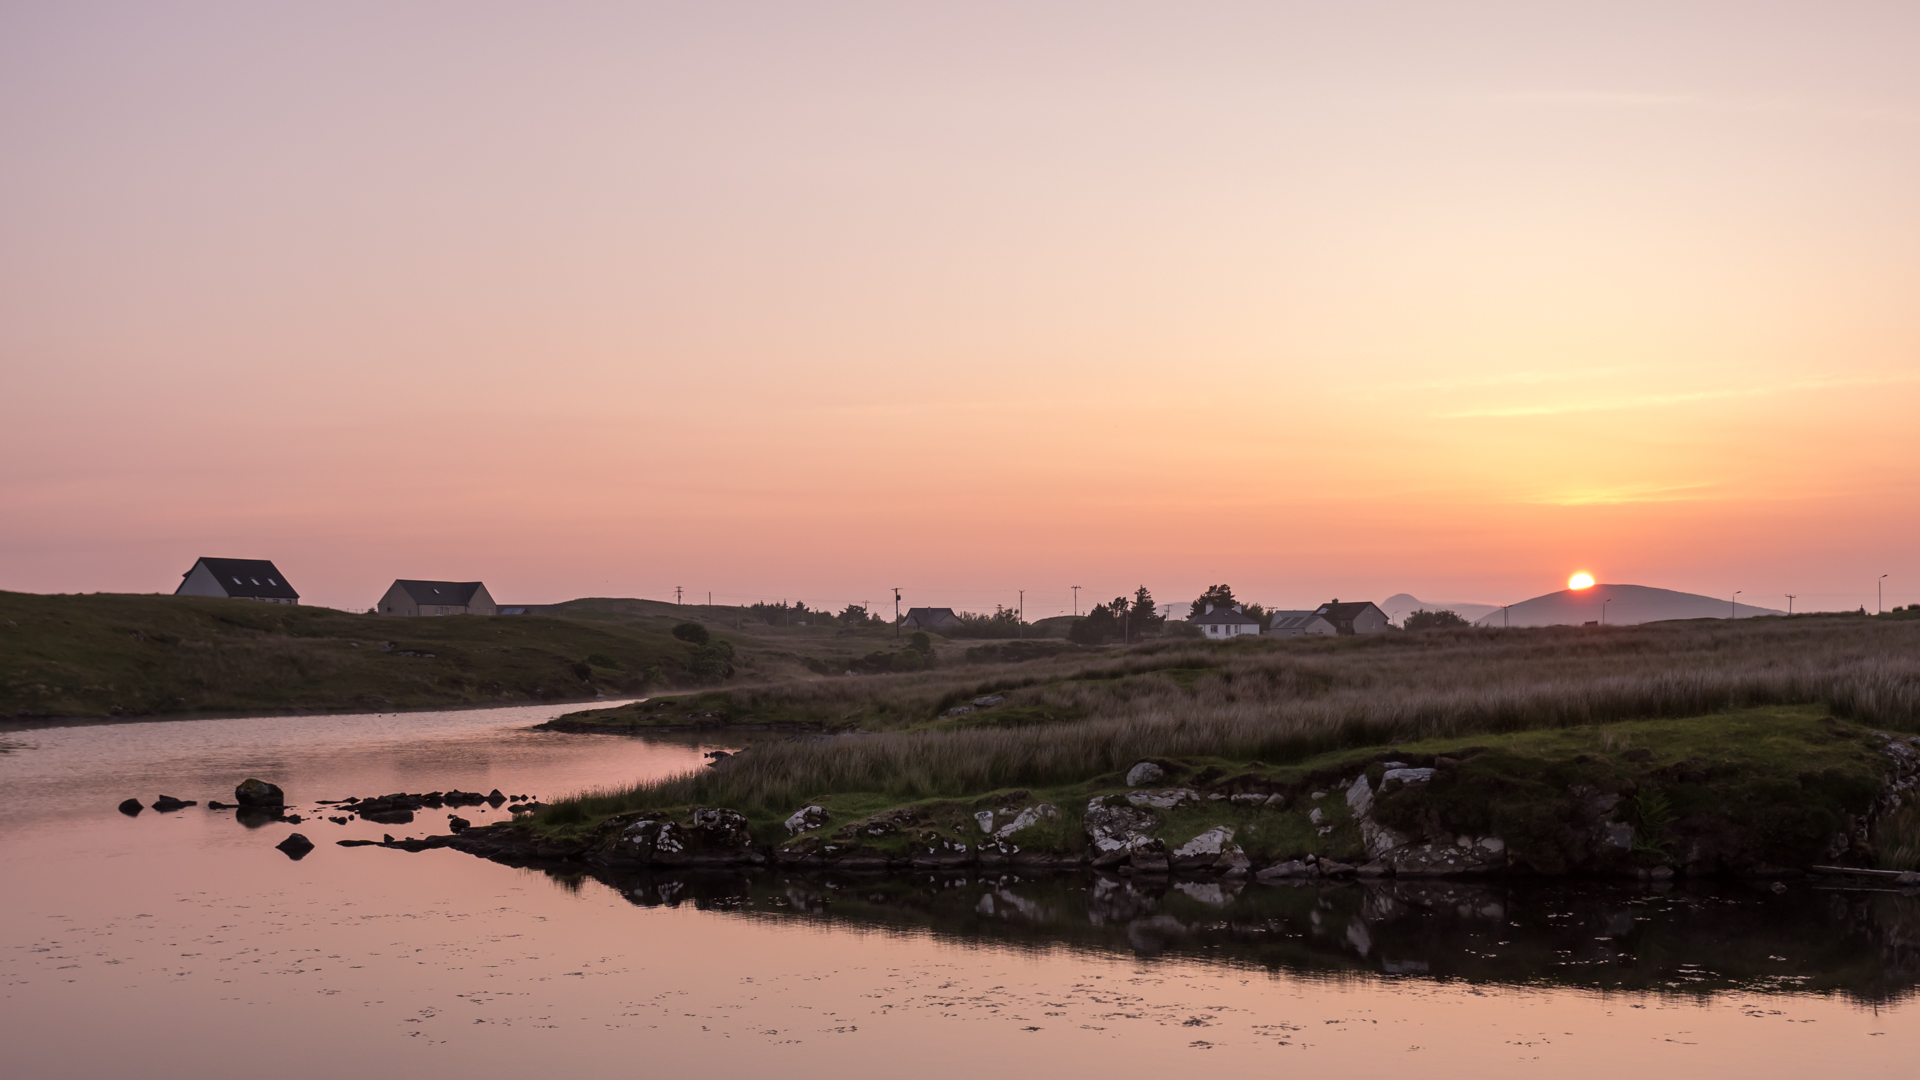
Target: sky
(784,301)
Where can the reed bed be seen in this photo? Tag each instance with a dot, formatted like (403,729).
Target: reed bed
(1284,701)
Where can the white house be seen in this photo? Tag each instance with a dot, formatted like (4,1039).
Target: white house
(242,579)
(1224,622)
(437,598)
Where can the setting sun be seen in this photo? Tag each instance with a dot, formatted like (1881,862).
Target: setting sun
(1580,581)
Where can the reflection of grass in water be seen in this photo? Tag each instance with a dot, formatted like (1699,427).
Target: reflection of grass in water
(9,747)
(1896,839)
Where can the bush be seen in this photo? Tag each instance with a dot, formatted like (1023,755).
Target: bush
(692,632)
(1434,620)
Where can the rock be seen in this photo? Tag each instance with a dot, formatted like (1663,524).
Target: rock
(1249,800)
(958,710)
(388,817)
(1292,868)
(985,820)
(1373,869)
(1212,849)
(1334,869)
(216,804)
(807,817)
(1616,834)
(1907,878)
(131,807)
(295,846)
(252,792)
(1408,776)
(1317,816)
(988,700)
(1437,857)
(1378,839)
(709,836)
(292,819)
(1149,862)
(357,843)
(1661,873)
(1163,800)
(1146,772)
(167,804)
(1778,887)
(1116,832)
(494,798)
(1026,819)
(458,825)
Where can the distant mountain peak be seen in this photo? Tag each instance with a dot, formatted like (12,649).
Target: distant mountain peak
(1618,605)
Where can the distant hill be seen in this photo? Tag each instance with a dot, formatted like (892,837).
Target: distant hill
(1401,605)
(1630,604)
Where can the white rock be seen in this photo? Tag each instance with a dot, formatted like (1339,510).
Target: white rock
(1212,842)
(1145,772)
(1317,816)
(1408,776)
(1163,800)
(1249,800)
(985,700)
(985,818)
(807,817)
(1360,796)
(1026,819)
(1494,844)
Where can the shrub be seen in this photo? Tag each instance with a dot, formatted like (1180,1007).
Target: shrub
(692,632)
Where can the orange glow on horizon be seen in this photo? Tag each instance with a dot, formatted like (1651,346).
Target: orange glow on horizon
(1580,581)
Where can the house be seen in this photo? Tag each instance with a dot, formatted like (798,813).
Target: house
(241,579)
(1225,622)
(437,598)
(931,618)
(1299,624)
(1361,618)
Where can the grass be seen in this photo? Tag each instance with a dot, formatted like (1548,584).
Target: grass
(106,654)
(1288,701)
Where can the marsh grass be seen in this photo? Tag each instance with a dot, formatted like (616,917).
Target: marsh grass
(1285,701)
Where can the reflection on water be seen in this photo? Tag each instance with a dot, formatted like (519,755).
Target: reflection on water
(1724,936)
(176,944)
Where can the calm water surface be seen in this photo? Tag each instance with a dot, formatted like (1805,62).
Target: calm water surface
(184,945)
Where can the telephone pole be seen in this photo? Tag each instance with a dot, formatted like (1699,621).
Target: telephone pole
(1789,597)
(1076,599)
(676,596)
(1880,596)
(896,614)
(1021,617)
(1733,608)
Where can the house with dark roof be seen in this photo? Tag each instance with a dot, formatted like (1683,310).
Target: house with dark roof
(437,598)
(1225,622)
(935,619)
(241,579)
(1360,618)
(1298,624)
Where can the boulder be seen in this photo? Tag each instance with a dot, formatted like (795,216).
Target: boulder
(1207,851)
(988,700)
(259,793)
(295,846)
(1163,800)
(807,817)
(1002,841)
(131,807)
(1146,772)
(167,804)
(389,817)
(706,837)
(458,824)
(495,799)
(1115,832)
(1292,868)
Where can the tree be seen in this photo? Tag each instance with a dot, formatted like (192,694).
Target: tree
(1433,620)
(1218,595)
(692,633)
(1146,615)
(856,615)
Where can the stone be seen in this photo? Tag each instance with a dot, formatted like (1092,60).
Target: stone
(167,804)
(1145,772)
(1334,869)
(1317,816)
(1249,800)
(1616,834)
(1373,869)
(1407,776)
(295,846)
(807,817)
(958,710)
(1432,858)
(1661,873)
(1149,862)
(495,799)
(984,819)
(1292,868)
(1163,800)
(216,804)
(1026,819)
(251,792)
(389,817)
(988,700)
(458,824)
(131,807)
(1116,832)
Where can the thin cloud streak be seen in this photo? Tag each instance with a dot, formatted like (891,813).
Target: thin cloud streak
(1663,400)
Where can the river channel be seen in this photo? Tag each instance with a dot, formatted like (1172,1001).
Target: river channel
(184,945)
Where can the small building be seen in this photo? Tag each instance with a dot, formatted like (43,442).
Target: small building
(241,579)
(1225,622)
(437,598)
(1363,617)
(1299,624)
(935,619)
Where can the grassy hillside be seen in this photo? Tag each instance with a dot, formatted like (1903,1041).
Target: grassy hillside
(115,655)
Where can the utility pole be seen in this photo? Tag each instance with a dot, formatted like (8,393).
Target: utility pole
(1603,610)
(896,614)
(1076,599)
(709,597)
(1789,603)
(676,596)
(1504,621)
(1021,617)
(1733,609)
(1880,596)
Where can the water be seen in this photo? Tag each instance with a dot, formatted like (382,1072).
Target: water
(184,945)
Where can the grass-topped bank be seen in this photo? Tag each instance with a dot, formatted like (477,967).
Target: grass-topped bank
(122,655)
(1752,790)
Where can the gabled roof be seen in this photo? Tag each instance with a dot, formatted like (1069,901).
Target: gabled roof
(1294,620)
(1337,613)
(456,593)
(1224,616)
(931,616)
(248,577)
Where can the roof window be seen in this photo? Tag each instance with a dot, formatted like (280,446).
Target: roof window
(270,581)
(256,581)
(237,581)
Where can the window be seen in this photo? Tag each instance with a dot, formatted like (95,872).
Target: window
(236,581)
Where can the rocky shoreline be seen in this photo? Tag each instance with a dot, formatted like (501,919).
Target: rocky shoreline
(1409,816)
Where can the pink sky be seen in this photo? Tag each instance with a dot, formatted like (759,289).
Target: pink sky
(810,301)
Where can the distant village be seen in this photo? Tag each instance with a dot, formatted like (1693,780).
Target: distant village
(260,579)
